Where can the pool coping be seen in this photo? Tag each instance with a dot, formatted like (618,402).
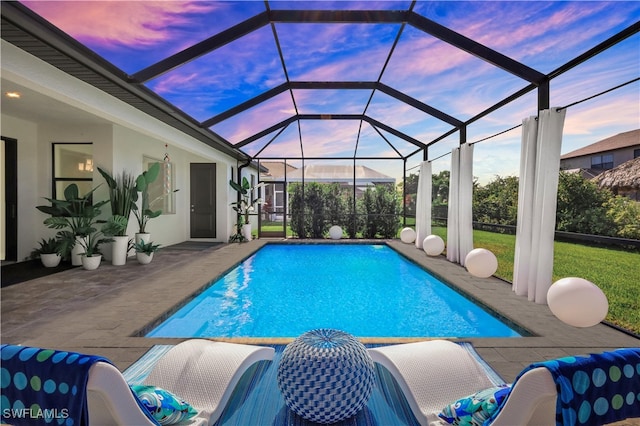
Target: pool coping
(101,311)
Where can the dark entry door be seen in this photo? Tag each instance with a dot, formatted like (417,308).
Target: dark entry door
(9,215)
(203,200)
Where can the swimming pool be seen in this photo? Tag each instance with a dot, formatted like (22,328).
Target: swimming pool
(284,290)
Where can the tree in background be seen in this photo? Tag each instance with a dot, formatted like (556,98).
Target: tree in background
(581,206)
(381,208)
(497,201)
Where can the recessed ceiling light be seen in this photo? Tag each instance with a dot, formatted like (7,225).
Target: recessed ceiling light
(13,95)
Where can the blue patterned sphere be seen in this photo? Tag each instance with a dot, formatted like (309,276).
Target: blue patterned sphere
(326,376)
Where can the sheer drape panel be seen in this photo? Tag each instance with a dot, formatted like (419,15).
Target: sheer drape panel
(460,214)
(533,268)
(522,257)
(423,204)
(465,203)
(452,210)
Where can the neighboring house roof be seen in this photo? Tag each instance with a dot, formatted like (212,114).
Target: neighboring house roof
(625,176)
(339,173)
(276,169)
(621,140)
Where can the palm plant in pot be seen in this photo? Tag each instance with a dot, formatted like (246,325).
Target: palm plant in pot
(245,205)
(74,218)
(48,252)
(122,196)
(145,250)
(92,255)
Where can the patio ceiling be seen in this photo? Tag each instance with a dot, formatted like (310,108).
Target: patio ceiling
(313,79)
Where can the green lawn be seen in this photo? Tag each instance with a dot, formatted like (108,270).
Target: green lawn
(616,272)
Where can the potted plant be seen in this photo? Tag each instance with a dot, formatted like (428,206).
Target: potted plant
(74,217)
(245,205)
(92,256)
(145,250)
(144,212)
(48,252)
(122,195)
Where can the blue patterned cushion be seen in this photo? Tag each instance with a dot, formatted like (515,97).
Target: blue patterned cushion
(474,409)
(163,405)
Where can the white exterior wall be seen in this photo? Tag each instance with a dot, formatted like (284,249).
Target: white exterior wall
(127,135)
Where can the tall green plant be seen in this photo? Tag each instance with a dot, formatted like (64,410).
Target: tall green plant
(247,203)
(75,216)
(144,213)
(122,195)
(381,207)
(296,210)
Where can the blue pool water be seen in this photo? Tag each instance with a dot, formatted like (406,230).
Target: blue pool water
(284,290)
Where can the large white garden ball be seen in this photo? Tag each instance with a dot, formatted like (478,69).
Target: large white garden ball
(433,245)
(335,232)
(481,263)
(408,235)
(577,302)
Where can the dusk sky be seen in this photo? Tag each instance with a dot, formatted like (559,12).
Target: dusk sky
(542,35)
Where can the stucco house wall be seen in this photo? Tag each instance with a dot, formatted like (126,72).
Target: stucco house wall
(120,141)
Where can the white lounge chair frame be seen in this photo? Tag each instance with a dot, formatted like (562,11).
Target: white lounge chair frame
(434,374)
(202,372)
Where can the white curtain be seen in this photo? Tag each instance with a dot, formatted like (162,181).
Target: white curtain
(452,210)
(460,213)
(423,204)
(537,200)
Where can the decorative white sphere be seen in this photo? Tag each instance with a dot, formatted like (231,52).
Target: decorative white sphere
(433,245)
(481,263)
(577,302)
(408,235)
(335,232)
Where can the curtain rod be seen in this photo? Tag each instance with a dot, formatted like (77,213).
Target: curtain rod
(557,109)
(560,109)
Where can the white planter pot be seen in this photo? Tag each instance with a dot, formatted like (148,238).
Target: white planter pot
(146,237)
(76,258)
(246,231)
(144,258)
(91,262)
(119,250)
(50,260)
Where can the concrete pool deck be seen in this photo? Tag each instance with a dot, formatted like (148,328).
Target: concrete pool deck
(103,311)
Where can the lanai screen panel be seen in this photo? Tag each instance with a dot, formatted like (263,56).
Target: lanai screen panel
(264,115)
(246,57)
(445,77)
(330,101)
(136,34)
(335,52)
(225,77)
(541,34)
(406,118)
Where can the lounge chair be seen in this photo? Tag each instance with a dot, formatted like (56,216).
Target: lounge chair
(203,373)
(436,374)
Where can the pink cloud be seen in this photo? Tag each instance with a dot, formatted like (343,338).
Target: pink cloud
(120,22)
